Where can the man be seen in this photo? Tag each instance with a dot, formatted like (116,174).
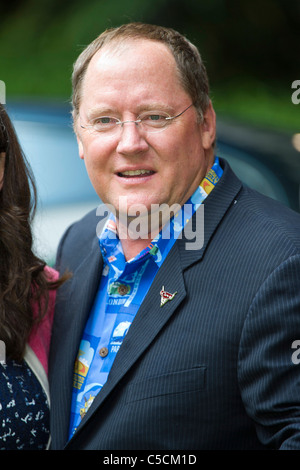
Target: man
(162,340)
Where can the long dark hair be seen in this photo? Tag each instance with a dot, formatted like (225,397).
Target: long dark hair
(23,279)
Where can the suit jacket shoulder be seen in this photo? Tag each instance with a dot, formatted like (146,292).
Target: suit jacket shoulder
(268,225)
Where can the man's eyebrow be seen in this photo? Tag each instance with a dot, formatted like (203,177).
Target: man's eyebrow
(100,110)
(156,107)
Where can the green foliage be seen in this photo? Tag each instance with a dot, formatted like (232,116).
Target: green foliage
(257,104)
(249,47)
(41,39)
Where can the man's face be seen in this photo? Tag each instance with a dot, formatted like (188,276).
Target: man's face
(123,82)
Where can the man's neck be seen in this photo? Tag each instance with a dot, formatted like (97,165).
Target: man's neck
(131,248)
(134,241)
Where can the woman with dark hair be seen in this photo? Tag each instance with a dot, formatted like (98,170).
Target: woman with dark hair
(27,295)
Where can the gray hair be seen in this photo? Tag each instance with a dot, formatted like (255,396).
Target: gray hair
(192,72)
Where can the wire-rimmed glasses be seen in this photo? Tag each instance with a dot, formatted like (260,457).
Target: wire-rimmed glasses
(149,121)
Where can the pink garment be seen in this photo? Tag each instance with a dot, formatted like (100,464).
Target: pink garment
(39,340)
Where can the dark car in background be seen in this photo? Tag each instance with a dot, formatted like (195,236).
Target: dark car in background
(265,161)
(64,190)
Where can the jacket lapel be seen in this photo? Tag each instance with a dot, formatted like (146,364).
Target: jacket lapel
(219,201)
(84,288)
(75,309)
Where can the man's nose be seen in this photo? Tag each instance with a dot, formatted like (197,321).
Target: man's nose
(131,139)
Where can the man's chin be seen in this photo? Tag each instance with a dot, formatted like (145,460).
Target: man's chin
(140,221)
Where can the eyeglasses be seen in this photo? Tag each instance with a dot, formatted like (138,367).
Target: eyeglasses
(149,121)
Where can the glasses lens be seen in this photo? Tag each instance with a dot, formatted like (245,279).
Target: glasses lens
(104,124)
(154,121)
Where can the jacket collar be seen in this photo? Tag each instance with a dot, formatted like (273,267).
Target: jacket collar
(76,304)
(215,207)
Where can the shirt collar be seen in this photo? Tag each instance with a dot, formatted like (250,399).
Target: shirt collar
(160,246)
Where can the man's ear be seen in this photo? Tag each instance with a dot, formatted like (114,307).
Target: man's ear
(80,147)
(209,127)
(75,129)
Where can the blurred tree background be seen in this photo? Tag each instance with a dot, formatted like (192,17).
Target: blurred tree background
(250,47)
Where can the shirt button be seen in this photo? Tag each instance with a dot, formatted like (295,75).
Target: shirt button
(123,289)
(103,352)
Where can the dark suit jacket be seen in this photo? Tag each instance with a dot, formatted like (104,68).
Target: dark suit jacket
(211,369)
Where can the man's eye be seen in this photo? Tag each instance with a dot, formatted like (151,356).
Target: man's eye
(155,119)
(104,120)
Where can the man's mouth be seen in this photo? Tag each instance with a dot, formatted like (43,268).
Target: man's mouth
(135,173)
